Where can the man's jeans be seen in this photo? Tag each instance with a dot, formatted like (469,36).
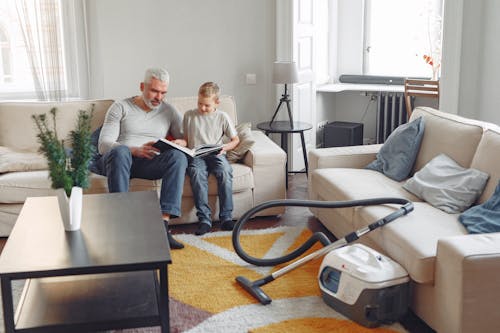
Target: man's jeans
(198,171)
(170,166)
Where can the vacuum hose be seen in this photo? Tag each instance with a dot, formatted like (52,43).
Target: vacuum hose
(317,236)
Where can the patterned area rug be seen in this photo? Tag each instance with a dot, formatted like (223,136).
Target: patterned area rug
(206,298)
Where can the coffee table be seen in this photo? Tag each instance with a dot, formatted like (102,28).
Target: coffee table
(110,274)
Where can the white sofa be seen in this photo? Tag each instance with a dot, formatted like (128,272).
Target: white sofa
(454,274)
(259,177)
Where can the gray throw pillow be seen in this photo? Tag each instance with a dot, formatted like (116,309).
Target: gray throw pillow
(246,142)
(485,217)
(399,152)
(446,185)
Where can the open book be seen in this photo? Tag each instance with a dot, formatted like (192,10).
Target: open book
(199,151)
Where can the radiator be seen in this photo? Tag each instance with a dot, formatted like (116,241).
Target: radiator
(391,112)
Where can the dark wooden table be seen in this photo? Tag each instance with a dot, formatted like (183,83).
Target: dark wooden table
(284,128)
(111,274)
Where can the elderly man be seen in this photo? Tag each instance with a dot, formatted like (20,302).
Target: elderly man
(130,128)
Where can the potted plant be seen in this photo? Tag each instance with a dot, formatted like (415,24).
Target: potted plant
(68,166)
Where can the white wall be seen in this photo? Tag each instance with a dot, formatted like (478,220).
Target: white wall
(196,40)
(487,87)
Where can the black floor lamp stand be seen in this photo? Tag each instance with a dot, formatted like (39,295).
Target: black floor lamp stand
(284,99)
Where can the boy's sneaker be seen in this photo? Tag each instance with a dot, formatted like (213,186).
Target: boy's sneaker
(203,228)
(227,225)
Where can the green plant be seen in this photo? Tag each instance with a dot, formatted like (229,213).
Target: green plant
(67,167)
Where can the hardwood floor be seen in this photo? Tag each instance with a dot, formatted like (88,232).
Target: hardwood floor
(297,189)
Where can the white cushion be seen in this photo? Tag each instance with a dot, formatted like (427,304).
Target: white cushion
(15,160)
(411,240)
(15,187)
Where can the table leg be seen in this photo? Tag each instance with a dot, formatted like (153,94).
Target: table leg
(164,302)
(304,152)
(8,305)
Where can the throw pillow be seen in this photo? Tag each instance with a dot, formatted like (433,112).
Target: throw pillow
(246,142)
(485,217)
(446,185)
(13,161)
(399,152)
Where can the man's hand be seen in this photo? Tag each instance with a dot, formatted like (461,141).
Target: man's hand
(145,151)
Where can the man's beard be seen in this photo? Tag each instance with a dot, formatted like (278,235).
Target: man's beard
(150,104)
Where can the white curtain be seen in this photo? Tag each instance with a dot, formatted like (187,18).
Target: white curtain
(41,26)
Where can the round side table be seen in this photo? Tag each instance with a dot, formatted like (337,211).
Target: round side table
(284,128)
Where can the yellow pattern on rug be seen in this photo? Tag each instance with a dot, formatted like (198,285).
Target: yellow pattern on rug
(203,276)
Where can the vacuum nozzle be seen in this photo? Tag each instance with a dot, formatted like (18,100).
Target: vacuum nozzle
(253,288)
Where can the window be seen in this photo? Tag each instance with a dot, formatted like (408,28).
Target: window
(384,37)
(37,41)
(402,37)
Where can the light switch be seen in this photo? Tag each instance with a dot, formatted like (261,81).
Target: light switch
(251,78)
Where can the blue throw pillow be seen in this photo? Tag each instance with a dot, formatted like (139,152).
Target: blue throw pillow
(485,217)
(399,152)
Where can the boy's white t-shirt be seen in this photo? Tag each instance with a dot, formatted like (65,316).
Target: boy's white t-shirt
(207,128)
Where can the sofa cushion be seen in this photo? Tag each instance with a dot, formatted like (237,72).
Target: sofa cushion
(411,240)
(15,118)
(483,218)
(397,156)
(242,181)
(336,184)
(446,185)
(442,133)
(246,142)
(13,160)
(487,161)
(15,187)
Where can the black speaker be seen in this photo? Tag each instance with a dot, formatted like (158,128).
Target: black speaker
(342,133)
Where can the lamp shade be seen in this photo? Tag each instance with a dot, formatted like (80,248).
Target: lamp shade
(285,72)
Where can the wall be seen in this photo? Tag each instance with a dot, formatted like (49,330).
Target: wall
(487,88)
(197,41)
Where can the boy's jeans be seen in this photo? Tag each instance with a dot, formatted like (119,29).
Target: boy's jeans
(198,171)
(170,166)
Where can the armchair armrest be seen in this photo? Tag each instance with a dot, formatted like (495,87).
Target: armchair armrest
(467,275)
(267,161)
(342,157)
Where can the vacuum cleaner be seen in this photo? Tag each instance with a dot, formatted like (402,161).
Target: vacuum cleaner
(359,282)
(364,285)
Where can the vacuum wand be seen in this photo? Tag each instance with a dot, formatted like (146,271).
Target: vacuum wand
(253,288)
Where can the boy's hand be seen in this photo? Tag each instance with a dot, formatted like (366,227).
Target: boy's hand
(181,142)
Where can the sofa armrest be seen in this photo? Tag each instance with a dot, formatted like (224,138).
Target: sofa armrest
(467,275)
(268,162)
(342,157)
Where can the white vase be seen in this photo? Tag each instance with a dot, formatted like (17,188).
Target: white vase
(70,208)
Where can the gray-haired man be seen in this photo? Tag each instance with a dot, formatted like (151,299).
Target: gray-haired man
(130,128)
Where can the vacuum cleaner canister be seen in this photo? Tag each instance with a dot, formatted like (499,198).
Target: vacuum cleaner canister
(363,285)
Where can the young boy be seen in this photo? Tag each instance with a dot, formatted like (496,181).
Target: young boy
(208,125)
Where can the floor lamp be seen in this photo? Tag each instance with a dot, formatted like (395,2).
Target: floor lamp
(285,73)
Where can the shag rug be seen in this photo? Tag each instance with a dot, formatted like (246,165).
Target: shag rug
(204,296)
